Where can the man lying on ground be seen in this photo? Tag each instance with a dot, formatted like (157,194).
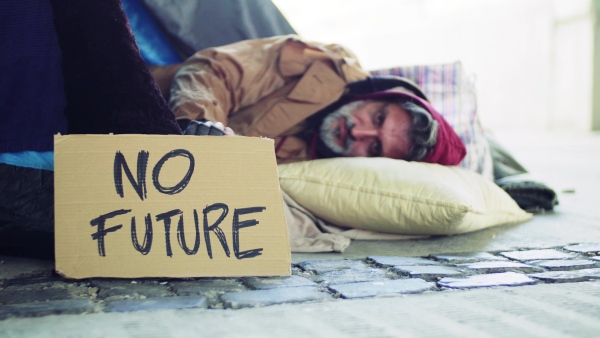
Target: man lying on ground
(314,99)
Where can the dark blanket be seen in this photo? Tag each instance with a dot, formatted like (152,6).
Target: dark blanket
(32,99)
(108,85)
(108,89)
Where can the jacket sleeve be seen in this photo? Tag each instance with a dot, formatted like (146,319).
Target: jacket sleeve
(217,82)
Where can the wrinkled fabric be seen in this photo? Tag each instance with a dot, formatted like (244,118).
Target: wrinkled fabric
(26,212)
(305,232)
(309,233)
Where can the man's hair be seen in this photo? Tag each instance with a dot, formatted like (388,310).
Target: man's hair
(423,131)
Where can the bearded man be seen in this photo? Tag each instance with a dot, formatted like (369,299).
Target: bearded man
(314,99)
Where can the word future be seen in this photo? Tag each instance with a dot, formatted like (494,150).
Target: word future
(139,185)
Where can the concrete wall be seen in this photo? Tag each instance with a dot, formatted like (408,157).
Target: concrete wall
(532,59)
(595,123)
(572,66)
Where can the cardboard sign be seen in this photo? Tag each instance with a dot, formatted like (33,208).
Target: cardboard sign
(168,206)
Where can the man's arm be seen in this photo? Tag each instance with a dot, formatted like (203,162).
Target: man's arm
(217,82)
(164,76)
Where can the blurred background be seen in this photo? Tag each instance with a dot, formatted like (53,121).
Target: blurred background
(534,62)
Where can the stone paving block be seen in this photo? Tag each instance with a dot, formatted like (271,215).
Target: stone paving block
(265,283)
(273,296)
(69,306)
(467,257)
(352,276)
(499,266)
(565,264)
(426,272)
(568,276)
(320,266)
(204,286)
(494,279)
(14,267)
(154,304)
(12,296)
(543,254)
(593,248)
(404,261)
(36,282)
(379,288)
(116,288)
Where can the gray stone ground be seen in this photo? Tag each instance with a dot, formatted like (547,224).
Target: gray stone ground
(541,278)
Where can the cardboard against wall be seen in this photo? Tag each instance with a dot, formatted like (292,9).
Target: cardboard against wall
(109,223)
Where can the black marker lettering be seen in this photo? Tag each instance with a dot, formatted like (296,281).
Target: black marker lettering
(120,165)
(100,222)
(215,227)
(184,181)
(181,236)
(144,249)
(166,216)
(237,225)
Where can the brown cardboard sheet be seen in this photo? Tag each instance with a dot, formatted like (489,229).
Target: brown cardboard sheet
(168,206)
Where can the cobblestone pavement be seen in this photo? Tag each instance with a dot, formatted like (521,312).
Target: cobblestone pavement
(29,288)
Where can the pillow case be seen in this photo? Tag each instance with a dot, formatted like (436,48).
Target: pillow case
(452,94)
(395,196)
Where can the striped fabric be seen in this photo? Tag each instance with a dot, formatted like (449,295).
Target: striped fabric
(453,95)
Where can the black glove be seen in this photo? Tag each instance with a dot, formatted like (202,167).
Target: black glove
(199,128)
(530,195)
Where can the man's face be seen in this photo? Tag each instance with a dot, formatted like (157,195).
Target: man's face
(367,128)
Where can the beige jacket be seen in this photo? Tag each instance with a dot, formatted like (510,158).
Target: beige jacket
(266,87)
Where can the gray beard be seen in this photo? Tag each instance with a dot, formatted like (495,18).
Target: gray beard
(328,135)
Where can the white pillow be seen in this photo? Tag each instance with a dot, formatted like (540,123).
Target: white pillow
(395,196)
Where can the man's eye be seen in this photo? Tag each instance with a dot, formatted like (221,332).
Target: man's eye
(375,149)
(379,118)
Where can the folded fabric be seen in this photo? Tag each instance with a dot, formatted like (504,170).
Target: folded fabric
(309,233)
(394,196)
(306,231)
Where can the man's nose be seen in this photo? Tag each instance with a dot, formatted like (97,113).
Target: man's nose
(362,132)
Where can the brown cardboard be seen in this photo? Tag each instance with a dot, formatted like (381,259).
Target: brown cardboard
(234,173)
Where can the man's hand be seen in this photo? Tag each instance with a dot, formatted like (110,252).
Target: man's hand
(207,128)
